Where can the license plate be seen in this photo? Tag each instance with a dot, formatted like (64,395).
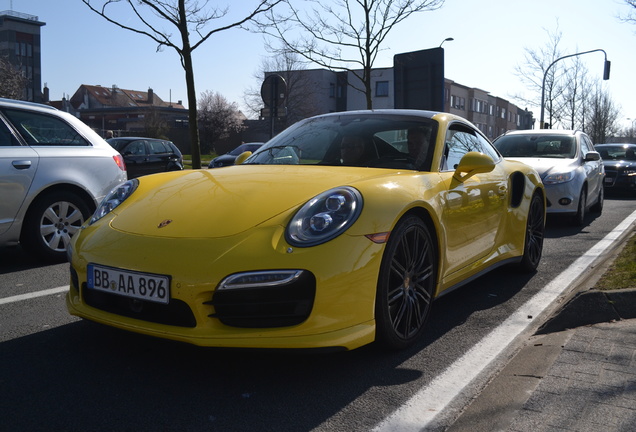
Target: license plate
(609,180)
(137,285)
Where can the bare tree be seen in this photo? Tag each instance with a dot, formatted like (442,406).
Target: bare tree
(12,80)
(190,18)
(343,35)
(533,70)
(155,124)
(574,99)
(300,98)
(218,118)
(602,117)
(631,16)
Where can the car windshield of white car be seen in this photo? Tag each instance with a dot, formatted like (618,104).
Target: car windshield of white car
(540,146)
(395,142)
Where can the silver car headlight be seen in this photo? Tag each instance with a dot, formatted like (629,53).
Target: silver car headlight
(558,178)
(324,217)
(114,199)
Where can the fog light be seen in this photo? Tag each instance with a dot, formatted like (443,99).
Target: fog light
(565,201)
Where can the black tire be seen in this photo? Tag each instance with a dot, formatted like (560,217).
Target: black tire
(598,206)
(408,276)
(579,217)
(51,222)
(535,232)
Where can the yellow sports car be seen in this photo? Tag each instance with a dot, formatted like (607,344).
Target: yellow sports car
(338,232)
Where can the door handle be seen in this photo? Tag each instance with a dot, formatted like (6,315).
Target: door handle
(21,164)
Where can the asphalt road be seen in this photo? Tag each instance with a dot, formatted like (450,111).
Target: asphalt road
(59,373)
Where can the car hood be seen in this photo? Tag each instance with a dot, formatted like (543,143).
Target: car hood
(221,203)
(547,166)
(619,163)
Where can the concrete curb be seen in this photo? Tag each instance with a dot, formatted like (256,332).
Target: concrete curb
(592,307)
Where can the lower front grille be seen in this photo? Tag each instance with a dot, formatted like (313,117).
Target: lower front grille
(267,306)
(175,313)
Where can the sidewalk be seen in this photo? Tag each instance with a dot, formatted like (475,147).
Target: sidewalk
(578,373)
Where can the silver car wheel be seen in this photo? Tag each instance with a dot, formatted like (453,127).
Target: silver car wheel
(59,222)
(51,222)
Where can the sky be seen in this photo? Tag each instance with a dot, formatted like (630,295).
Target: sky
(490,40)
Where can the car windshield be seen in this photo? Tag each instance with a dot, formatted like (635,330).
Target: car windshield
(540,146)
(617,152)
(353,140)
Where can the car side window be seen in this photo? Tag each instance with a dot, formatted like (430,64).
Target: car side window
(459,141)
(158,147)
(6,137)
(586,145)
(136,148)
(43,130)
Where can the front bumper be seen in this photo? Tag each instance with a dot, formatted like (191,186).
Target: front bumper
(334,308)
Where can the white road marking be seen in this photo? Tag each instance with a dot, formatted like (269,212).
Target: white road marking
(32,295)
(420,410)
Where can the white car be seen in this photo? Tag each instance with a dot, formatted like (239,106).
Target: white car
(571,170)
(54,171)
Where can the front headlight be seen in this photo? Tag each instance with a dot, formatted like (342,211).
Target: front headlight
(114,199)
(558,178)
(324,217)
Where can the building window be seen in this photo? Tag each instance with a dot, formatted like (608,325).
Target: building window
(382,88)
(458,102)
(332,90)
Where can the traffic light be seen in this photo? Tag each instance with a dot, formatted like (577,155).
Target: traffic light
(606,70)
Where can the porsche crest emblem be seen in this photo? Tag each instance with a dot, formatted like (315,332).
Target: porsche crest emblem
(164,223)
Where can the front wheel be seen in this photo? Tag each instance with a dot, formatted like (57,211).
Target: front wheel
(535,230)
(579,217)
(598,207)
(51,222)
(408,275)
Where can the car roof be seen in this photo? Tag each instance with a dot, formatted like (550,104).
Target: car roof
(543,132)
(391,112)
(615,144)
(25,104)
(137,138)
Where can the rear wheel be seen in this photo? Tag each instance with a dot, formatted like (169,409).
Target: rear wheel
(408,275)
(535,229)
(51,222)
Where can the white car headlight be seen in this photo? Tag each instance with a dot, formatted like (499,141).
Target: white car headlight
(324,217)
(558,178)
(114,199)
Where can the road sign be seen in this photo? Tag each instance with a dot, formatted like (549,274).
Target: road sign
(273,91)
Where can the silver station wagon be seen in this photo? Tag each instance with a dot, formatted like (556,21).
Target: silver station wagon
(54,171)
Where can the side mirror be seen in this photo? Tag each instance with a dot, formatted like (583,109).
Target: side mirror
(592,156)
(473,163)
(241,158)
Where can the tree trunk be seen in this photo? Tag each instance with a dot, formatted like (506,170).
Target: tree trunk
(186,57)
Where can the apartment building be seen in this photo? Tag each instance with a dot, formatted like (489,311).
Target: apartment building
(20,45)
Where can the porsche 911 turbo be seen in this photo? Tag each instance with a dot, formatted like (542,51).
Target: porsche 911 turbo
(338,232)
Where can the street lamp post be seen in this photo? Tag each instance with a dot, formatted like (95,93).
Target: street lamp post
(606,74)
(448,39)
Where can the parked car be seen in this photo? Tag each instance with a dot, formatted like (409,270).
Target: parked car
(303,245)
(570,168)
(145,156)
(620,166)
(54,171)
(230,157)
